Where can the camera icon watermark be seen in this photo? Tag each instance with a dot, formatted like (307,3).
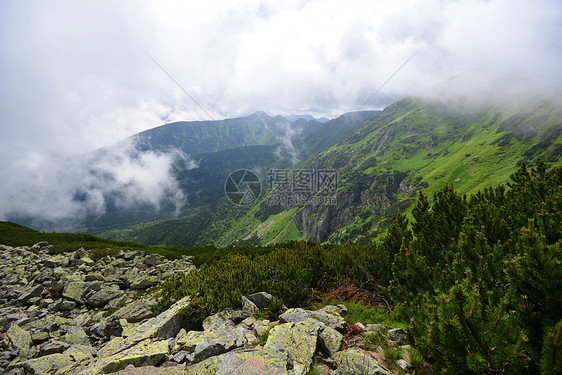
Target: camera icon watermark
(242,187)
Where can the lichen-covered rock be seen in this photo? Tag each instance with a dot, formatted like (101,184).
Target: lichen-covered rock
(146,353)
(298,340)
(248,305)
(105,295)
(355,362)
(165,325)
(19,339)
(330,319)
(135,311)
(245,362)
(330,340)
(74,291)
(215,340)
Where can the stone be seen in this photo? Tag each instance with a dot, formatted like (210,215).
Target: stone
(74,291)
(260,299)
(407,367)
(215,340)
(76,336)
(94,277)
(262,327)
(249,306)
(245,362)
(146,353)
(338,309)
(352,361)
(398,335)
(40,337)
(19,339)
(31,293)
(330,340)
(144,282)
(298,340)
(104,296)
(330,319)
(135,311)
(165,325)
(52,347)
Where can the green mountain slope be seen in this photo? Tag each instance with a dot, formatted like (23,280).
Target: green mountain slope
(422,144)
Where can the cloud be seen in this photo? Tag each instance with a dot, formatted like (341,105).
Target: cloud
(66,190)
(75,76)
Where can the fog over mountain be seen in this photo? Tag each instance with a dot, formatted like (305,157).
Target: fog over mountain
(77,76)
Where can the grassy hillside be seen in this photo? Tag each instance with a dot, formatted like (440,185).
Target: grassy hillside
(421,145)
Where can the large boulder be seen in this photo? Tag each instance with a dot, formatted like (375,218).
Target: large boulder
(245,362)
(298,340)
(74,291)
(19,339)
(215,340)
(330,319)
(330,340)
(146,353)
(105,295)
(355,362)
(135,311)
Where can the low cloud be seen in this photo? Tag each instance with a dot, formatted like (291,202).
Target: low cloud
(63,191)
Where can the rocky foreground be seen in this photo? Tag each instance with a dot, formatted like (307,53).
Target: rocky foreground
(69,314)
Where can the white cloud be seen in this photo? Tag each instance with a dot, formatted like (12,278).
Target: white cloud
(75,76)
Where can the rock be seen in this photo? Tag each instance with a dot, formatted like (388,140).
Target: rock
(397,335)
(260,299)
(262,327)
(331,320)
(19,339)
(58,260)
(339,309)
(222,318)
(248,305)
(52,347)
(136,311)
(144,282)
(146,353)
(165,325)
(298,340)
(40,337)
(330,340)
(352,361)
(76,336)
(31,293)
(104,296)
(215,340)
(94,277)
(245,362)
(404,365)
(74,291)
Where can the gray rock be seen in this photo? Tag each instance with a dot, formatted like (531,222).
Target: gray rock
(104,296)
(355,362)
(331,320)
(74,291)
(249,306)
(31,293)
(298,340)
(19,339)
(260,299)
(397,335)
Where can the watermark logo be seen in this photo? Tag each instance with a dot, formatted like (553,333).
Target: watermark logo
(295,187)
(242,187)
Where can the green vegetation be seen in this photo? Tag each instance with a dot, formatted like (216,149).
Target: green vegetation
(477,278)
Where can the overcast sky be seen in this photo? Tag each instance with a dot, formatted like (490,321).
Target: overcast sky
(76,75)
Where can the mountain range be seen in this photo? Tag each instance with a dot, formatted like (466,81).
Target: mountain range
(472,131)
